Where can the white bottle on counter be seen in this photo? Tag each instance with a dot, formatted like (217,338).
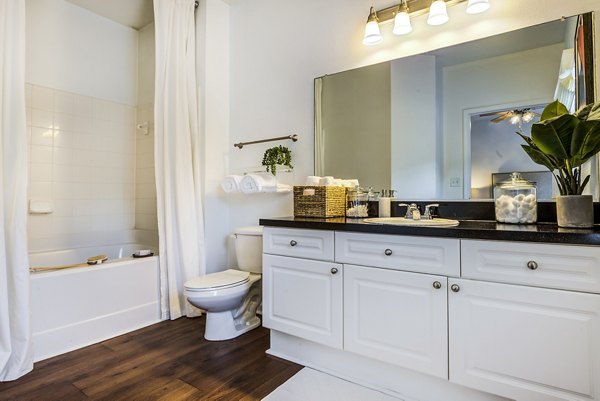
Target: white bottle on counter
(385,206)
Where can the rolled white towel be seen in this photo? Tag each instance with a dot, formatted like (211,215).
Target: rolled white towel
(231,183)
(328,181)
(262,182)
(350,183)
(284,188)
(312,180)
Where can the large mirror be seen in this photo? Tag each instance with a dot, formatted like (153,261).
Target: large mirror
(441,125)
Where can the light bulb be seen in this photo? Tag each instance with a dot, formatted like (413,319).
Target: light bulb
(402,24)
(515,119)
(477,6)
(528,116)
(438,14)
(372,32)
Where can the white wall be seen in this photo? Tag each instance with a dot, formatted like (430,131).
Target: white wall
(414,129)
(279,47)
(74,50)
(212,37)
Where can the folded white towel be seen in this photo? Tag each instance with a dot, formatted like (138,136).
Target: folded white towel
(231,183)
(284,188)
(262,182)
(312,180)
(351,183)
(328,181)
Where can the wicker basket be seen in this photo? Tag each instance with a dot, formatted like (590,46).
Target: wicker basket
(319,201)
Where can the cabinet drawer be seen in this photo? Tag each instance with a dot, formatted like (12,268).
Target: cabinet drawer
(566,267)
(416,254)
(309,244)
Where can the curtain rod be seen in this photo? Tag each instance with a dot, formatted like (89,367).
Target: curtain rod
(293,137)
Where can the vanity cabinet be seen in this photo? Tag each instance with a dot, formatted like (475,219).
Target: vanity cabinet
(524,343)
(397,317)
(514,319)
(303,297)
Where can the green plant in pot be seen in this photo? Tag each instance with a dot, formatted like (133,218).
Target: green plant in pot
(277,155)
(562,142)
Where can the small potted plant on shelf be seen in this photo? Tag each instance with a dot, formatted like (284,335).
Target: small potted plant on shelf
(277,155)
(562,142)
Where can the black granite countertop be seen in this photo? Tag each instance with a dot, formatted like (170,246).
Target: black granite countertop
(472,229)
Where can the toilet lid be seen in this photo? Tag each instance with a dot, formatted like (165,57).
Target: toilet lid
(217,280)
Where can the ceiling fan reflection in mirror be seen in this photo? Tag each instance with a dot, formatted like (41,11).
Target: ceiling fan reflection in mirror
(515,116)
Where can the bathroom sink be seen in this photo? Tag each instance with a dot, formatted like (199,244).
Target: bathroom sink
(401,221)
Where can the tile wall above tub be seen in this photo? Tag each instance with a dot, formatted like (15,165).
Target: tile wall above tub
(82,157)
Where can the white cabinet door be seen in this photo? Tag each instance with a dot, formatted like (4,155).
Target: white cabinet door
(304,298)
(397,317)
(524,343)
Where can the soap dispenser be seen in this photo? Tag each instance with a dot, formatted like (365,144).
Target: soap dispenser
(385,202)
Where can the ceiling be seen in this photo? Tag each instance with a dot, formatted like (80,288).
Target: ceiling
(133,13)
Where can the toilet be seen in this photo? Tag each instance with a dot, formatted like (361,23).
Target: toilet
(231,297)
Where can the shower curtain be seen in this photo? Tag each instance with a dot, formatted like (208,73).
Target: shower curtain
(177,155)
(16,354)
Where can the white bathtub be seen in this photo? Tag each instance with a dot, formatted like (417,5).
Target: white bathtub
(73,308)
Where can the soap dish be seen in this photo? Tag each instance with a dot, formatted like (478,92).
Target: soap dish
(142,254)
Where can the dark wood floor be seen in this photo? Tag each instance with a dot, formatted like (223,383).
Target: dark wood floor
(167,361)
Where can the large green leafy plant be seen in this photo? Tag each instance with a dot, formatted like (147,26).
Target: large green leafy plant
(562,142)
(277,155)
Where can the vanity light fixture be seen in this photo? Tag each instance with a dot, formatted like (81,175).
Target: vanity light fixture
(402,25)
(372,32)
(401,15)
(438,14)
(477,6)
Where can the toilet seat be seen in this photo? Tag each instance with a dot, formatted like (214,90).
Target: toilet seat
(225,279)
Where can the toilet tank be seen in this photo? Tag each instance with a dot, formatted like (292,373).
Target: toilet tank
(248,248)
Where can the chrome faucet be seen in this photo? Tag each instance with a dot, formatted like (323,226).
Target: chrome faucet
(429,214)
(412,211)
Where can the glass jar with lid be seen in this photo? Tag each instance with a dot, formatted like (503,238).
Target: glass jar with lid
(515,200)
(357,203)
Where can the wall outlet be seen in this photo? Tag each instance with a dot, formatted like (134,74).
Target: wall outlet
(455,181)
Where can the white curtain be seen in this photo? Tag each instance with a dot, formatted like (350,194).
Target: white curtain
(16,354)
(565,87)
(177,155)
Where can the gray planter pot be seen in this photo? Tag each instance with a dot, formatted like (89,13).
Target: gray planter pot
(575,211)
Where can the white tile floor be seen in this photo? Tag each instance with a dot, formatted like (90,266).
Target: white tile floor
(312,385)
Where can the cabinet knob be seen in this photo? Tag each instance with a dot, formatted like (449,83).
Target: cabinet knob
(388,252)
(455,288)
(293,243)
(437,285)
(334,270)
(532,265)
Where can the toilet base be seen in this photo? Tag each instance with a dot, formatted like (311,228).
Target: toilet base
(233,323)
(221,326)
